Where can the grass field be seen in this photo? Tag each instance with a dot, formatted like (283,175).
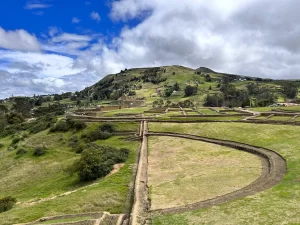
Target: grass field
(31,179)
(185,171)
(207,111)
(229,118)
(279,205)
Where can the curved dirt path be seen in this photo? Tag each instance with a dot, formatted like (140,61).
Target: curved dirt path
(274,168)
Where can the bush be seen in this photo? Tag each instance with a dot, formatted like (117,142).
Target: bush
(96,135)
(107,127)
(97,161)
(21,151)
(67,125)
(1,145)
(15,140)
(7,203)
(39,151)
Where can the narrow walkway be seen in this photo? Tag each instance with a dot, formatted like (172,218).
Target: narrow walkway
(140,206)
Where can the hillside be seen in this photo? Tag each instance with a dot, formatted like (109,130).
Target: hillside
(151,84)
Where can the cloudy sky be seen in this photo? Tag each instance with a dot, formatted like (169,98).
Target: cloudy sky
(54,46)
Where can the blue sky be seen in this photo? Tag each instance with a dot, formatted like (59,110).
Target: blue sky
(54,46)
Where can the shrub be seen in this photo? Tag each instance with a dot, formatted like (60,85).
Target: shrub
(64,126)
(107,127)
(39,151)
(97,161)
(60,126)
(96,135)
(21,151)
(7,203)
(1,145)
(15,140)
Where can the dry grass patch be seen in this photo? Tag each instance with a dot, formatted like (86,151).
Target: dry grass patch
(185,171)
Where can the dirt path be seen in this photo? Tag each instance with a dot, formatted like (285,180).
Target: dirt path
(140,205)
(274,168)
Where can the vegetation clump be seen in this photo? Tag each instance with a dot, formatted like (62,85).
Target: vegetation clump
(103,132)
(21,151)
(97,161)
(68,124)
(7,203)
(39,151)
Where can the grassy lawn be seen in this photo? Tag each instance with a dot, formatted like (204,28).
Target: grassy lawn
(67,220)
(207,111)
(30,178)
(183,171)
(281,118)
(202,118)
(129,110)
(278,205)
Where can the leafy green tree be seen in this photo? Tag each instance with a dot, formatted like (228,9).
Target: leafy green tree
(190,90)
(290,90)
(97,161)
(176,87)
(23,105)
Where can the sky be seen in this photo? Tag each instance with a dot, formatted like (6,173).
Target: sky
(55,46)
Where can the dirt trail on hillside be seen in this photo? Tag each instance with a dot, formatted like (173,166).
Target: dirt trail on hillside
(273,170)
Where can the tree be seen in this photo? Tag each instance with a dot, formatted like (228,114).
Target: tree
(176,87)
(190,90)
(214,100)
(290,90)
(23,105)
(168,92)
(207,78)
(97,161)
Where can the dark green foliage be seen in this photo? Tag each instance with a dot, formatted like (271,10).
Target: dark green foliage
(56,109)
(207,78)
(265,98)
(107,127)
(1,145)
(23,105)
(290,90)
(7,203)
(97,161)
(39,151)
(14,118)
(168,91)
(42,123)
(190,90)
(3,109)
(96,135)
(214,100)
(15,140)
(253,88)
(158,103)
(66,125)
(75,144)
(186,104)
(176,87)
(21,151)
(60,126)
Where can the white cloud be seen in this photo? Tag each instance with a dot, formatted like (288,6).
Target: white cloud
(75,20)
(37,6)
(71,37)
(18,40)
(53,31)
(50,65)
(95,16)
